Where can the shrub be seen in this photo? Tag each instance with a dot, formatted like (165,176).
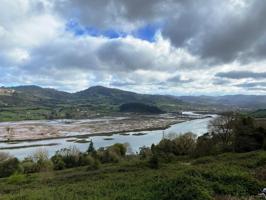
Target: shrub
(206,145)
(45,166)
(94,165)
(145,152)
(261,161)
(260,173)
(29,166)
(165,146)
(42,161)
(228,180)
(184,144)
(58,162)
(183,187)
(119,149)
(17,178)
(9,167)
(4,156)
(110,156)
(248,139)
(203,160)
(70,156)
(86,160)
(154,162)
(180,145)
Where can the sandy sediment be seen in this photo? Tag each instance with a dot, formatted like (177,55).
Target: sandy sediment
(39,130)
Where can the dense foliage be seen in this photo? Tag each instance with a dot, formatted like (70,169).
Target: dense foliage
(140,108)
(223,177)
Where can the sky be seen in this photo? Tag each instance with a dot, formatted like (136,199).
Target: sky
(175,47)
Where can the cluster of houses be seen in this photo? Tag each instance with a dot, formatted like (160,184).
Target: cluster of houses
(7,92)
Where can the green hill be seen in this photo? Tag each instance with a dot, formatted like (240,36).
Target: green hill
(261,113)
(34,102)
(140,108)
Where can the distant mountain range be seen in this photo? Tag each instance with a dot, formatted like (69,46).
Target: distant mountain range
(228,101)
(99,95)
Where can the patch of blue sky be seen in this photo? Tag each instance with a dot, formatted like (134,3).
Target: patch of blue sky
(79,30)
(147,32)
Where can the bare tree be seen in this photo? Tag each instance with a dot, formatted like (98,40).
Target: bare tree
(222,127)
(4,156)
(10,132)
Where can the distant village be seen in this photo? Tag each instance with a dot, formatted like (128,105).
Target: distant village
(6,92)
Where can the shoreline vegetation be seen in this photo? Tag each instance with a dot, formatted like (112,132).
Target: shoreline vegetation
(228,162)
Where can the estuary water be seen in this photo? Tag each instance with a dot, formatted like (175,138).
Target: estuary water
(135,140)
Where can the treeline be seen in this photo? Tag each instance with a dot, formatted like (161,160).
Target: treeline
(227,133)
(64,158)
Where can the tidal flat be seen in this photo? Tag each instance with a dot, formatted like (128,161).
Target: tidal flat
(49,129)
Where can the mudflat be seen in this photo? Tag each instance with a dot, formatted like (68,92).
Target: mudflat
(46,129)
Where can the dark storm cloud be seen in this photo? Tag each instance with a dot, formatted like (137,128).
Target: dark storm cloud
(236,35)
(115,13)
(223,36)
(241,75)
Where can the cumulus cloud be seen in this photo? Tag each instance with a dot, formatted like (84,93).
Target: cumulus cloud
(195,47)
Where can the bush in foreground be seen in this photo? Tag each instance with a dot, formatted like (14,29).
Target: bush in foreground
(9,167)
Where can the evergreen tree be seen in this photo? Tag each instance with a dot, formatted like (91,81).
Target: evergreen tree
(91,148)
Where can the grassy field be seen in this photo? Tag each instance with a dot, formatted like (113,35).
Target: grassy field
(226,176)
(57,112)
(259,113)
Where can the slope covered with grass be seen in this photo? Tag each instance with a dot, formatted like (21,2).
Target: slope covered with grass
(213,177)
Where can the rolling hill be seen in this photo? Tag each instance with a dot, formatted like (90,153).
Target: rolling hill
(34,102)
(35,95)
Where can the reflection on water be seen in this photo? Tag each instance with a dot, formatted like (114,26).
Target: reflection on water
(134,140)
